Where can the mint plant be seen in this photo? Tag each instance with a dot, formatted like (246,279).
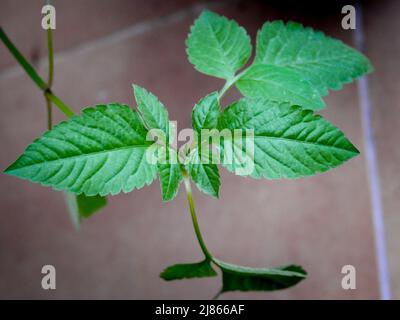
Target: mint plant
(105,149)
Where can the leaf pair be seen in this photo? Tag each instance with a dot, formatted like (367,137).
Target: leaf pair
(238,278)
(292,63)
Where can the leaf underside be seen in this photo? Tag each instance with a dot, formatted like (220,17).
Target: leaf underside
(81,206)
(100,152)
(188,270)
(238,278)
(279,84)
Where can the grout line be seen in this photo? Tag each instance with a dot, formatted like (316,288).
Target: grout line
(115,37)
(372,167)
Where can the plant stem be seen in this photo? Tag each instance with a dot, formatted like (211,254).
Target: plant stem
(50,77)
(50,56)
(196,227)
(59,103)
(34,75)
(49,113)
(228,84)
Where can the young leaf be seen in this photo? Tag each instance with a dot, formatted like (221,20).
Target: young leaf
(205,116)
(154,113)
(238,278)
(188,270)
(170,175)
(286,141)
(102,151)
(81,206)
(206,112)
(204,175)
(279,84)
(325,62)
(217,46)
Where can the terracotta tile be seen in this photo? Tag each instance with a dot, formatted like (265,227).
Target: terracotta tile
(322,223)
(76,22)
(383,47)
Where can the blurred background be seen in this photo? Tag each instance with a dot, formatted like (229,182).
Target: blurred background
(322,222)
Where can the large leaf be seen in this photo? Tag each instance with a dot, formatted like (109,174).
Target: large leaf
(81,206)
(155,115)
(188,270)
(280,84)
(217,46)
(285,141)
(102,151)
(239,278)
(327,63)
(205,173)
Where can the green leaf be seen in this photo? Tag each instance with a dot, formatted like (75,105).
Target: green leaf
(204,175)
(170,174)
(206,112)
(188,270)
(238,278)
(217,46)
(81,206)
(279,84)
(282,141)
(325,62)
(204,116)
(102,151)
(154,113)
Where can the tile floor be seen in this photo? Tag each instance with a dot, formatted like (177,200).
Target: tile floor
(322,223)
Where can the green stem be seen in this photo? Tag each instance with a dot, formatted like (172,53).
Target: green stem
(34,75)
(59,103)
(22,61)
(50,77)
(194,217)
(186,179)
(229,84)
(50,56)
(49,113)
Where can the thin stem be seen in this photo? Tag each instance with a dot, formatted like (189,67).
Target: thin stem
(50,56)
(22,61)
(34,75)
(229,84)
(49,113)
(194,217)
(50,77)
(59,103)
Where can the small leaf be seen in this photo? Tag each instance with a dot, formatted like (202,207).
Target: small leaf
(206,112)
(188,270)
(204,175)
(81,206)
(100,152)
(217,46)
(279,84)
(170,174)
(204,116)
(154,113)
(325,62)
(285,141)
(238,278)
